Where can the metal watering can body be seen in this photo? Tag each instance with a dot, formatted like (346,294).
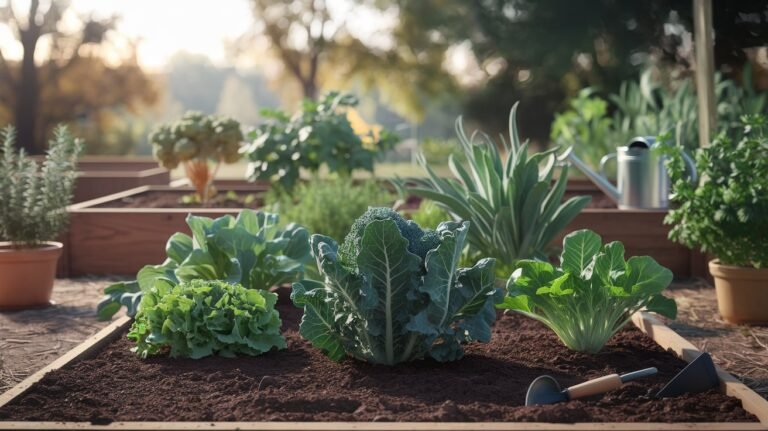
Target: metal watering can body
(642,181)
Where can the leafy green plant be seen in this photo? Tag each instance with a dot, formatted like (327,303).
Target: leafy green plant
(593,293)
(438,151)
(204,317)
(195,141)
(394,293)
(587,127)
(726,213)
(251,250)
(645,107)
(509,197)
(320,134)
(329,207)
(34,198)
(429,215)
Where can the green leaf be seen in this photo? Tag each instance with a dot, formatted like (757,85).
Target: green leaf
(662,305)
(579,248)
(178,247)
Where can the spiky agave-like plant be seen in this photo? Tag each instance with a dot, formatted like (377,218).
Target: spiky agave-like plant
(508,195)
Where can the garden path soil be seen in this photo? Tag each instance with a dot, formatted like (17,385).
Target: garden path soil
(301,384)
(172,199)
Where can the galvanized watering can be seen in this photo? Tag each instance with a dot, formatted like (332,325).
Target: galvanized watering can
(642,181)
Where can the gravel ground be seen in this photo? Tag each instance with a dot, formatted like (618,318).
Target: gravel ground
(31,339)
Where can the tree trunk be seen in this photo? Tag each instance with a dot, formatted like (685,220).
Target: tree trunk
(309,87)
(28,97)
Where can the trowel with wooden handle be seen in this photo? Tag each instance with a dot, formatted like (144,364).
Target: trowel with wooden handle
(546,390)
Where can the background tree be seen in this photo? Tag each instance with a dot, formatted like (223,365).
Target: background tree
(74,82)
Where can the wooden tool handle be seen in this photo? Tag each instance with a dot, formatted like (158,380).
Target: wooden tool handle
(595,386)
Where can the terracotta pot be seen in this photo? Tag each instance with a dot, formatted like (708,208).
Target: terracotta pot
(27,274)
(742,293)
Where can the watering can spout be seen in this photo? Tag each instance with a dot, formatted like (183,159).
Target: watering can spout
(600,181)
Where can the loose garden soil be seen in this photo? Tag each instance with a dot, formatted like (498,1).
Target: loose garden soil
(300,384)
(173,199)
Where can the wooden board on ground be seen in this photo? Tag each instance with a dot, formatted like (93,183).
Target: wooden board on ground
(659,332)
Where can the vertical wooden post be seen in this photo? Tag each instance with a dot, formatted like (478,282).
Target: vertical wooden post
(705,68)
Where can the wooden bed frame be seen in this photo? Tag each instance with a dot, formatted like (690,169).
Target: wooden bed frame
(663,335)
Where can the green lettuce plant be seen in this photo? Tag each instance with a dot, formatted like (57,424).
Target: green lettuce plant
(204,317)
(393,292)
(508,196)
(251,250)
(320,134)
(592,294)
(34,198)
(726,213)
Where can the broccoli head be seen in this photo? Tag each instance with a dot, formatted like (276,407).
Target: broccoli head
(419,241)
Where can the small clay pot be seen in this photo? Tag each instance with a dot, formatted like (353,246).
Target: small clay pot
(27,274)
(742,293)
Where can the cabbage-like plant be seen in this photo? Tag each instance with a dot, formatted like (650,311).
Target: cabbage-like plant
(508,196)
(251,250)
(204,317)
(200,143)
(593,293)
(393,292)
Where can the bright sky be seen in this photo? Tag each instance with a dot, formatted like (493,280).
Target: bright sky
(165,27)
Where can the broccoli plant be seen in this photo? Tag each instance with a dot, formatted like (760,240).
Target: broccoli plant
(393,292)
(195,141)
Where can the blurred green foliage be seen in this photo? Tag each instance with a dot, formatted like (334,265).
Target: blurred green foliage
(319,134)
(328,207)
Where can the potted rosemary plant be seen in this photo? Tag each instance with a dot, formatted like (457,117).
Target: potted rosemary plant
(33,212)
(726,216)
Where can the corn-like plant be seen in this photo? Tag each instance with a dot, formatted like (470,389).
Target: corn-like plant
(34,197)
(509,198)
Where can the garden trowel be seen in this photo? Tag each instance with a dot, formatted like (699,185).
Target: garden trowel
(546,390)
(698,376)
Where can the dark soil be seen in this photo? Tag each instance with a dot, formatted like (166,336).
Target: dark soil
(175,199)
(300,384)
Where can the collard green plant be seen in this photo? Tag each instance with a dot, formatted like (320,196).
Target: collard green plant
(204,317)
(393,292)
(726,213)
(320,134)
(250,250)
(34,198)
(508,196)
(329,207)
(593,293)
(195,141)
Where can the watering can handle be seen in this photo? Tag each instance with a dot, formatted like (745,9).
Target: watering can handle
(690,166)
(605,160)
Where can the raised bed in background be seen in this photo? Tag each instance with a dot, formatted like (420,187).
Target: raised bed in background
(661,334)
(105,238)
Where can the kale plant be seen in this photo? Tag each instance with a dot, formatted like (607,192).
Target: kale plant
(251,250)
(393,292)
(204,317)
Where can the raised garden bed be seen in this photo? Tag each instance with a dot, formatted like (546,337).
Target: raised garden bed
(119,233)
(101,176)
(101,382)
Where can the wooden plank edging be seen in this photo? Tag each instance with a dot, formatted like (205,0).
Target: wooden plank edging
(665,337)
(81,351)
(662,334)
